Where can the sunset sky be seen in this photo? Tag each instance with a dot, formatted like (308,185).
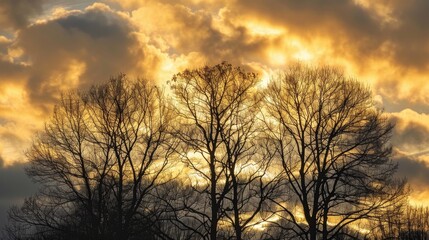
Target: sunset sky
(51,46)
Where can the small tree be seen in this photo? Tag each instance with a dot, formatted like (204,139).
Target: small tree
(217,108)
(98,161)
(333,145)
(403,222)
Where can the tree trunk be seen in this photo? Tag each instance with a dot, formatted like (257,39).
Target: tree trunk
(214,207)
(313,229)
(237,226)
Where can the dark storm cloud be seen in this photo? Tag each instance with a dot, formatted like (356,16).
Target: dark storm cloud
(15,14)
(99,39)
(14,187)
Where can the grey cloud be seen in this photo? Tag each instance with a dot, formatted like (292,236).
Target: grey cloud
(9,70)
(15,14)
(130,5)
(397,105)
(416,172)
(11,136)
(412,36)
(4,46)
(15,186)
(99,38)
(410,134)
(96,24)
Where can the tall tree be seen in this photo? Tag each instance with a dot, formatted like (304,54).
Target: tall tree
(217,108)
(98,161)
(333,145)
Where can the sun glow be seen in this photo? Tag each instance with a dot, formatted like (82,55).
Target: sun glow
(303,55)
(262,225)
(12,96)
(263,29)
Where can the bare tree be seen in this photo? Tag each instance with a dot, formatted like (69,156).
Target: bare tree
(401,222)
(333,145)
(99,159)
(416,223)
(218,108)
(388,223)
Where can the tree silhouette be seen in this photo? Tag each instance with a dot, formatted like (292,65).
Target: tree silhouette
(307,157)
(217,108)
(401,222)
(333,146)
(98,161)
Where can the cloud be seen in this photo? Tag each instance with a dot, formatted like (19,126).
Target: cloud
(15,14)
(77,50)
(15,186)
(14,182)
(10,71)
(410,141)
(349,28)
(72,50)
(208,5)
(181,30)
(360,28)
(383,43)
(411,37)
(411,132)
(18,119)
(416,172)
